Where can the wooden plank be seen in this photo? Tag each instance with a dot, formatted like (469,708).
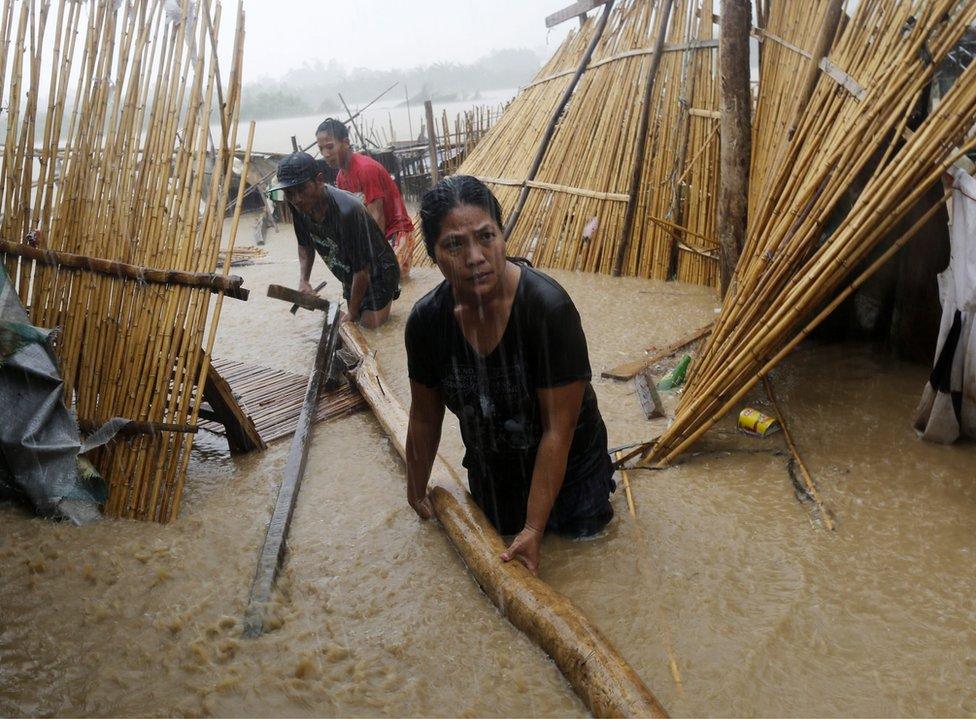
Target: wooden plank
(230,285)
(568,13)
(242,435)
(843,79)
(273,550)
(594,668)
(435,171)
(629,370)
(133,428)
(302,299)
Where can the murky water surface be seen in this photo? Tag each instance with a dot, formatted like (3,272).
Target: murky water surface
(723,578)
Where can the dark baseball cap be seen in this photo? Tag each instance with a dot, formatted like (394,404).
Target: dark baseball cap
(295,169)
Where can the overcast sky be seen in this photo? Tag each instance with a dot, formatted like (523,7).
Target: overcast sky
(383,34)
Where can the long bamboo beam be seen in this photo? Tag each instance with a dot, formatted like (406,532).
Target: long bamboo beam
(230,285)
(597,672)
(554,119)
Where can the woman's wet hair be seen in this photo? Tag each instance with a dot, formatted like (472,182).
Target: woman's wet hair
(336,128)
(451,192)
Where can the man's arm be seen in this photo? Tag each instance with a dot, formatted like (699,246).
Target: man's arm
(375,209)
(559,408)
(306,258)
(360,283)
(423,438)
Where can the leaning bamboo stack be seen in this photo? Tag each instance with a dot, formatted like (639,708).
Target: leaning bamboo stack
(576,205)
(801,245)
(505,153)
(116,167)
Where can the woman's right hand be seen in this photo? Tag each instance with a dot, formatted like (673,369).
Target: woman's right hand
(422,506)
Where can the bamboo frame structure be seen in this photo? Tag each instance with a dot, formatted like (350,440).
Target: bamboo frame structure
(116,169)
(802,244)
(577,203)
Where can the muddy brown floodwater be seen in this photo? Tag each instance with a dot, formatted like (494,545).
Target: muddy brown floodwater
(723,579)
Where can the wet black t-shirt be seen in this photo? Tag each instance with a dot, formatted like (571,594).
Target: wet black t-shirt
(495,400)
(348,240)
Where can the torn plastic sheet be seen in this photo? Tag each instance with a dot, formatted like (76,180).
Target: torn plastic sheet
(40,445)
(947,409)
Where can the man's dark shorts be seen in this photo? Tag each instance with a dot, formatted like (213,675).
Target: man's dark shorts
(384,287)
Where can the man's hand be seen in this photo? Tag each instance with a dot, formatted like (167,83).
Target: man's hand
(305,287)
(525,547)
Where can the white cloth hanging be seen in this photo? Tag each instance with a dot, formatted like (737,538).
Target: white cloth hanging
(948,407)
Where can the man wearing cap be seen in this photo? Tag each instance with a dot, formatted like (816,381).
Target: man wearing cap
(335,224)
(364,176)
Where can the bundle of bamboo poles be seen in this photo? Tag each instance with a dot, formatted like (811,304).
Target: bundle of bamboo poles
(572,212)
(802,245)
(116,166)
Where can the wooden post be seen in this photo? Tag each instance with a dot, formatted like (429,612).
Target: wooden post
(637,163)
(435,175)
(556,114)
(273,551)
(736,134)
(598,674)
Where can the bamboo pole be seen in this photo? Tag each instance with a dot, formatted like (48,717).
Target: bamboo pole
(637,162)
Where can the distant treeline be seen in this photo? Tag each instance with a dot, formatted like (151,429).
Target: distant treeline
(315,87)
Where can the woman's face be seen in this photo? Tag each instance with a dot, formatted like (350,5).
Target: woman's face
(470,251)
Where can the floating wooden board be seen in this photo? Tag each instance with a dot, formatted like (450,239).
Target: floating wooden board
(273,551)
(629,370)
(597,672)
(238,426)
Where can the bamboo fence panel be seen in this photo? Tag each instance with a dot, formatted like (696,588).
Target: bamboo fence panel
(503,156)
(792,262)
(591,150)
(122,173)
(576,205)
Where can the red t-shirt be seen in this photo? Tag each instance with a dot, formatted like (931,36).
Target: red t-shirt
(366,177)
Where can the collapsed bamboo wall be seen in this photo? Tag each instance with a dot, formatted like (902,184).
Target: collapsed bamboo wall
(574,213)
(115,167)
(803,241)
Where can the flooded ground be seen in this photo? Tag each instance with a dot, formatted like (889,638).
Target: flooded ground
(722,571)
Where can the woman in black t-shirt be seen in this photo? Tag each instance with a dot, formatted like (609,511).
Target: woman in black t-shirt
(500,344)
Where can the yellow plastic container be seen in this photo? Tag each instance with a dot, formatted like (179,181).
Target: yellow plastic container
(754,422)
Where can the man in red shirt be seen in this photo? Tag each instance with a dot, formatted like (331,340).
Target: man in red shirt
(364,176)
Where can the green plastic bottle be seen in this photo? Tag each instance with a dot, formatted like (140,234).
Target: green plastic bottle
(676,377)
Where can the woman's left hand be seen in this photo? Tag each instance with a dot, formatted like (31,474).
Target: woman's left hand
(525,547)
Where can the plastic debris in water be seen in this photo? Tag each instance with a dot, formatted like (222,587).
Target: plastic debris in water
(754,422)
(676,377)
(589,229)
